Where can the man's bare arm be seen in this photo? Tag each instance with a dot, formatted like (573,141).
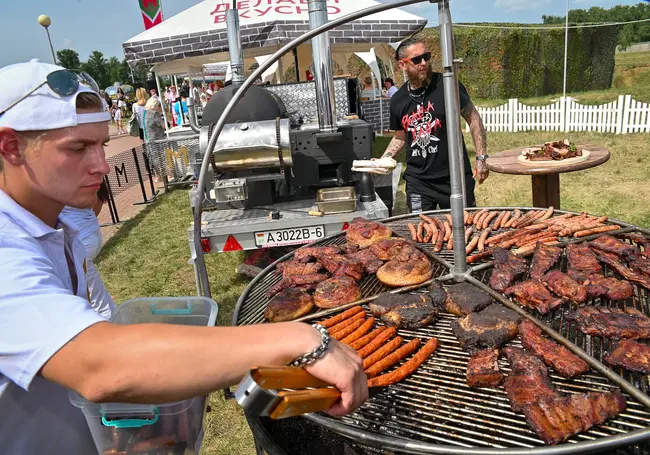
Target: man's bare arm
(396,144)
(476,128)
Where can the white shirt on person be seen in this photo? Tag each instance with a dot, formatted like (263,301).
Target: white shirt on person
(138,110)
(391,91)
(40,312)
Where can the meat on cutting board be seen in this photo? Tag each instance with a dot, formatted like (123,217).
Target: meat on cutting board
(565,286)
(544,259)
(558,357)
(483,369)
(631,355)
(506,268)
(465,298)
(528,381)
(489,328)
(613,322)
(534,295)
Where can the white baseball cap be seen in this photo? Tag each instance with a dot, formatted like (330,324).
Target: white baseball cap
(43,108)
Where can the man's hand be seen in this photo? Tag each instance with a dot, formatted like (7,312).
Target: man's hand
(481,171)
(396,145)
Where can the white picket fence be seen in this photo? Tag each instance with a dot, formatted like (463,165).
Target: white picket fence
(622,116)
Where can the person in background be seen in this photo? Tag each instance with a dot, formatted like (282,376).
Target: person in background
(153,124)
(389,85)
(153,93)
(369,92)
(138,108)
(118,111)
(85,221)
(180,108)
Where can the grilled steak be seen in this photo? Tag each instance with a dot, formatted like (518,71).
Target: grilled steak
(371,263)
(306,254)
(528,381)
(349,248)
(641,265)
(610,287)
(613,322)
(332,262)
(292,268)
(389,248)
(582,260)
(557,357)
(387,302)
(615,264)
(410,266)
(483,369)
(631,355)
(411,315)
(288,305)
(565,286)
(352,268)
(544,258)
(613,245)
(364,233)
(464,298)
(534,295)
(507,267)
(296,281)
(555,420)
(336,291)
(490,328)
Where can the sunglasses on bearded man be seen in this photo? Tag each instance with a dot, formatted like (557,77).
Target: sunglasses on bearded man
(418,58)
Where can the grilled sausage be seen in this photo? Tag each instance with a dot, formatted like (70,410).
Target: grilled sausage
(426,219)
(449,220)
(447,226)
(479,256)
(420,231)
(414,234)
(341,317)
(409,367)
(505,219)
(441,235)
(515,216)
(377,342)
(349,321)
(428,233)
(546,216)
(361,331)
(483,238)
(597,230)
(393,358)
(471,245)
(468,233)
(497,222)
(347,330)
(465,216)
(478,219)
(382,352)
(488,219)
(364,340)
(450,242)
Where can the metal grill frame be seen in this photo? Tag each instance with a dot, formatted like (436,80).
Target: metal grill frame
(352,427)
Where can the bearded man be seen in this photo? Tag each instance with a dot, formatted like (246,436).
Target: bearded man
(417,115)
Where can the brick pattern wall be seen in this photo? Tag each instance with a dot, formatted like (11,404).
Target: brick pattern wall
(261,35)
(372,113)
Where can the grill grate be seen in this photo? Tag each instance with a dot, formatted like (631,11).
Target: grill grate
(435,406)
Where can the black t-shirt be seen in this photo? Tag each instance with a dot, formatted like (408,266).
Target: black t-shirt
(427,149)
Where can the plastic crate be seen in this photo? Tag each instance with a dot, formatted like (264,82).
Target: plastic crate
(197,311)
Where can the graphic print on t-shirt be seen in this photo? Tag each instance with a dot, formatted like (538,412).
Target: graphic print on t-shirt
(422,126)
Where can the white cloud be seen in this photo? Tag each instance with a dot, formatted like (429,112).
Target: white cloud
(520,5)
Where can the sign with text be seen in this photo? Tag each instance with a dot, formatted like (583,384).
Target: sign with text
(272,10)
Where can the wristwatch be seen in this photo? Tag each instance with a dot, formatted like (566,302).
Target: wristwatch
(482,157)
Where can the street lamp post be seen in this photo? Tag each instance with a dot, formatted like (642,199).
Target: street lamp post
(566,46)
(45,21)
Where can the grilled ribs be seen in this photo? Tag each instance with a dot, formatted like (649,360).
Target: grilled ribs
(349,248)
(337,265)
(544,259)
(489,328)
(631,355)
(610,287)
(389,248)
(528,381)
(613,245)
(641,240)
(292,268)
(641,265)
(582,261)
(296,281)
(534,295)
(464,298)
(555,420)
(615,264)
(336,291)
(507,267)
(306,254)
(557,357)
(613,322)
(371,263)
(410,313)
(565,286)
(483,369)
(288,305)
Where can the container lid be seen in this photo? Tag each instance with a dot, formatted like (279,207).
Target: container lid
(113,411)
(195,311)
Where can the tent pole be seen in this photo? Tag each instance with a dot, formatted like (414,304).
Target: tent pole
(162,101)
(295,62)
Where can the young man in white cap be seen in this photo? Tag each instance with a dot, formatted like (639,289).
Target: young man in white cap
(52,134)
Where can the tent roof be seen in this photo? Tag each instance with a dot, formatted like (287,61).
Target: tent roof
(266,25)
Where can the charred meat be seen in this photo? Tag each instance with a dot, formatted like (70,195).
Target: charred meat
(610,287)
(349,248)
(410,266)
(565,286)
(582,260)
(544,259)
(613,245)
(641,240)
(557,357)
(464,298)
(296,281)
(490,328)
(555,420)
(613,322)
(306,254)
(389,248)
(615,264)
(336,291)
(483,369)
(438,294)
(411,313)
(371,263)
(528,381)
(631,355)
(364,233)
(352,268)
(507,267)
(534,295)
(641,265)
(288,305)
(292,268)
(387,302)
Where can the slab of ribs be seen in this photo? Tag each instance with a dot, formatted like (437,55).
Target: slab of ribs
(582,261)
(544,259)
(565,286)
(483,369)
(613,245)
(631,355)
(613,322)
(534,295)
(615,264)
(507,267)
(528,381)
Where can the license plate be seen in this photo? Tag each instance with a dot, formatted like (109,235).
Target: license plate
(292,236)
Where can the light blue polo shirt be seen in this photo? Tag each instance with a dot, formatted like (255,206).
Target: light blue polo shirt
(39,314)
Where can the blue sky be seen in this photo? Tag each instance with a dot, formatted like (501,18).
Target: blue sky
(87,25)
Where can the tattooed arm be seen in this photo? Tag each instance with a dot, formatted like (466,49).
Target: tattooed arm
(476,128)
(396,144)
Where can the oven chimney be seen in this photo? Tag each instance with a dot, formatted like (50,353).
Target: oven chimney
(323,77)
(234,46)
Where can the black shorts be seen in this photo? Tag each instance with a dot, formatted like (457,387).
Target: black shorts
(424,195)
(141,134)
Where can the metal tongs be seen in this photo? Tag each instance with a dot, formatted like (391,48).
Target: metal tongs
(263,392)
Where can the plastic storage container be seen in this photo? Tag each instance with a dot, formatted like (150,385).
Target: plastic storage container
(165,429)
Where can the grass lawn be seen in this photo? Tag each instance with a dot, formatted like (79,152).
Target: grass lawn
(148,256)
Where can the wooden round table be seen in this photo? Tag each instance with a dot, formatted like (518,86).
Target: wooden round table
(545,179)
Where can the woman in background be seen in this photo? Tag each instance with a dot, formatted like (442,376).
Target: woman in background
(138,108)
(154,129)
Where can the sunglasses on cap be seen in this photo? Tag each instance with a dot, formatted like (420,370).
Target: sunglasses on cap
(418,58)
(63,83)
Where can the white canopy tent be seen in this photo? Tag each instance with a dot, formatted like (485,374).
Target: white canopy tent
(184,43)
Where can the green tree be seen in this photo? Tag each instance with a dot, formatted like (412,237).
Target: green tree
(68,58)
(97,67)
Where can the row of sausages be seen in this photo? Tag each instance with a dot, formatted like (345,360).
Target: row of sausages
(378,349)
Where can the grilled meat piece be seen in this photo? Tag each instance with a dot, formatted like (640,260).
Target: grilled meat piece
(438,294)
(565,286)
(411,312)
(613,245)
(364,233)
(336,291)
(483,369)
(641,240)
(332,262)
(544,258)
(594,289)
(582,260)
(306,254)
(489,328)
(352,268)
(292,268)
(631,355)
(389,248)
(555,420)
(600,286)
(349,248)
(557,357)
(371,263)
(507,267)
(613,322)
(641,265)
(296,281)
(387,302)
(615,264)
(528,381)
(288,305)
(464,298)
(410,266)
(534,295)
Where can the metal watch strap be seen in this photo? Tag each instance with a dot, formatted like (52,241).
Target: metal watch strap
(317,353)
(482,157)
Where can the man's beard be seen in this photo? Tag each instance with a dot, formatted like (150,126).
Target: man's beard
(418,79)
